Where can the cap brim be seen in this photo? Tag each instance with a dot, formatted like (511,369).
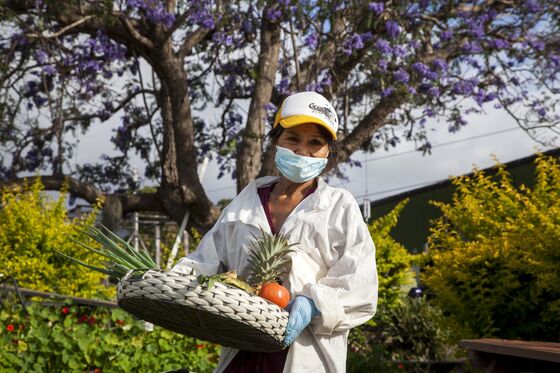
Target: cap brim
(296,120)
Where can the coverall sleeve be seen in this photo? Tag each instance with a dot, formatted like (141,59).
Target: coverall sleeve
(347,296)
(209,257)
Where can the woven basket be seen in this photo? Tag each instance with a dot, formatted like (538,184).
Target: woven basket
(224,315)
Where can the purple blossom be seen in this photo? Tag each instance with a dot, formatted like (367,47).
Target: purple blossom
(411,90)
(90,66)
(356,41)
(393,28)
(41,56)
(434,91)
(383,46)
(429,112)
(19,39)
(154,11)
(326,81)
(475,28)
(103,114)
(270,107)
(482,97)
(313,87)
(208,23)
(446,35)
(533,6)
(421,68)
(425,87)
(382,65)
(273,14)
(414,44)
(498,43)
(465,87)
(401,76)
(282,87)
(536,44)
(222,38)
(400,51)
(490,97)
(387,91)
(472,47)
(247,26)
(439,64)
(202,16)
(367,36)
(377,8)
(49,70)
(311,40)
(431,75)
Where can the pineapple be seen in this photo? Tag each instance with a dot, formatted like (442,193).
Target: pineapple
(268,257)
(267,260)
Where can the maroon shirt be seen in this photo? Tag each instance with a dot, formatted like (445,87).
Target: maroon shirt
(251,361)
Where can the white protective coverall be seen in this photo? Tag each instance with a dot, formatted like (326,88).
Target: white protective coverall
(333,264)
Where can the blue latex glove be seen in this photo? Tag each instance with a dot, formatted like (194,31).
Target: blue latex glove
(302,310)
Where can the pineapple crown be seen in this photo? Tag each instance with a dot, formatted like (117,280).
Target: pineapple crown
(268,257)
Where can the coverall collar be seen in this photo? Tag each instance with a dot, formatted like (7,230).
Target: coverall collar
(249,209)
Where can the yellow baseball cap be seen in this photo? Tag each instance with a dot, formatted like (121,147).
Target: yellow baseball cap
(307,107)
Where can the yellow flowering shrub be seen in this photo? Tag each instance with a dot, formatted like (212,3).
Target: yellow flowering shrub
(392,259)
(494,255)
(32,226)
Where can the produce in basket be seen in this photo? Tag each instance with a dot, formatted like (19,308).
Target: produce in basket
(267,261)
(121,256)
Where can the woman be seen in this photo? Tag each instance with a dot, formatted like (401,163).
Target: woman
(333,277)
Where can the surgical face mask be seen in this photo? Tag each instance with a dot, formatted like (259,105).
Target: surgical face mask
(298,168)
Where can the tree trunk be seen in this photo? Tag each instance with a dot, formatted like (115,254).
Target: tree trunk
(180,187)
(249,151)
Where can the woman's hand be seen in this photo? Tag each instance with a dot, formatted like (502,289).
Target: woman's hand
(302,310)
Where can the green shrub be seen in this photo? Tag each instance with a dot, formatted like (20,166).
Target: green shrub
(412,330)
(72,338)
(494,258)
(32,227)
(395,277)
(393,260)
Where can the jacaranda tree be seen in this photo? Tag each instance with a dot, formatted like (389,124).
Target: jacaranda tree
(195,78)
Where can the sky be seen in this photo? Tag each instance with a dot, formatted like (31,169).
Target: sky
(385,173)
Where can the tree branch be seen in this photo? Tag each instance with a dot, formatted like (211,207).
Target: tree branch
(121,105)
(374,120)
(144,41)
(61,31)
(193,39)
(74,186)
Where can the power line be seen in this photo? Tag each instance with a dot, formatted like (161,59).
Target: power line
(400,188)
(410,186)
(444,144)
